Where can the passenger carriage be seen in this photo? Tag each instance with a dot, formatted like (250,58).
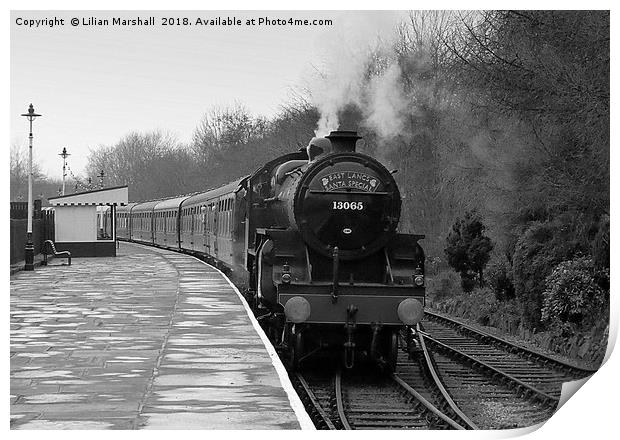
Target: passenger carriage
(123,220)
(212,223)
(142,221)
(166,220)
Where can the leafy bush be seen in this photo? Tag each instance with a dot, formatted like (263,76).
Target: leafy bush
(600,245)
(481,306)
(444,285)
(508,316)
(572,294)
(468,281)
(434,265)
(468,249)
(500,279)
(484,302)
(538,250)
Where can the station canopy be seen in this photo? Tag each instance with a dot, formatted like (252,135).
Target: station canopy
(114,196)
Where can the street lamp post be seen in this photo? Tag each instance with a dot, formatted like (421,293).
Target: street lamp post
(29,255)
(64,155)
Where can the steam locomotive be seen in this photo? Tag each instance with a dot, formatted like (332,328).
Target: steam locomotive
(311,236)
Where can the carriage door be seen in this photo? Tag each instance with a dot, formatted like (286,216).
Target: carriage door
(216,224)
(206,222)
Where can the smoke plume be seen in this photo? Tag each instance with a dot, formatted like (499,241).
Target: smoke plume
(386,103)
(353,54)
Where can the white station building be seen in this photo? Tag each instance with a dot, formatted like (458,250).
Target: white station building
(85,222)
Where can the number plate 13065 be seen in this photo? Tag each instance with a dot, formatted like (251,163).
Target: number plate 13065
(353,206)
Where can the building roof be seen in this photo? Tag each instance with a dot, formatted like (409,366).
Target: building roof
(117,195)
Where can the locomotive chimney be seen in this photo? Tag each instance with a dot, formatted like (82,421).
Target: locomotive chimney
(343,141)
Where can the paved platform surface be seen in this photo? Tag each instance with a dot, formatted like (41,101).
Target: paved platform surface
(38,260)
(151,339)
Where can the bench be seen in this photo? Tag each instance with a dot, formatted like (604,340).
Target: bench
(55,253)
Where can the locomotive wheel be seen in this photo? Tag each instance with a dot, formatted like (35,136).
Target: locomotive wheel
(295,349)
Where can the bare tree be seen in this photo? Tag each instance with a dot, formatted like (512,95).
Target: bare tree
(144,161)
(19,171)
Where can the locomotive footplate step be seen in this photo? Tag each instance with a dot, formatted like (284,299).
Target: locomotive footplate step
(150,339)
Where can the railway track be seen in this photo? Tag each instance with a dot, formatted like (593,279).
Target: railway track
(458,378)
(358,400)
(495,383)
(538,376)
(487,401)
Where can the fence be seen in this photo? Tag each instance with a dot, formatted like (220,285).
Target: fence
(42,228)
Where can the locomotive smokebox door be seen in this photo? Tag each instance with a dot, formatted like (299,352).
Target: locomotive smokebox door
(347,200)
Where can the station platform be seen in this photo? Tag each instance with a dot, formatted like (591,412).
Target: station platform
(150,339)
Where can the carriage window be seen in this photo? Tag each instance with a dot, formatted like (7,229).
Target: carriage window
(230,216)
(220,217)
(227,223)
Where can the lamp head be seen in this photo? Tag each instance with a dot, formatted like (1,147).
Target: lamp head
(31,114)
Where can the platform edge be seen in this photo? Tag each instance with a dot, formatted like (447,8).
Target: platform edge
(296,404)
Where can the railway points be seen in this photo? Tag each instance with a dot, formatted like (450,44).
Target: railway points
(434,389)
(151,339)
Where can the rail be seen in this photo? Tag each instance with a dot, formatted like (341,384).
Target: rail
(440,386)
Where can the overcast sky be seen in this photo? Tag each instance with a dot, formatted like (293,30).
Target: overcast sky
(94,84)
